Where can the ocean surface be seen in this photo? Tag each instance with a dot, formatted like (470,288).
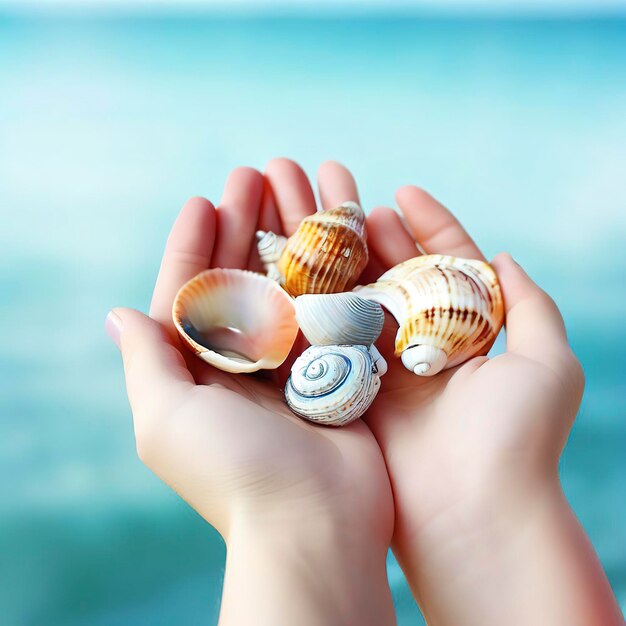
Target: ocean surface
(108,125)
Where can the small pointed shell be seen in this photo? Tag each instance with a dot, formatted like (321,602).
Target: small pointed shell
(270,247)
(332,385)
(236,320)
(448,309)
(327,253)
(339,318)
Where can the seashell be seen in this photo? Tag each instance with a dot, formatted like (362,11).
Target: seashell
(332,385)
(236,320)
(339,318)
(448,309)
(270,247)
(326,254)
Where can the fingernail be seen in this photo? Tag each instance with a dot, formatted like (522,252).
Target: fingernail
(113,326)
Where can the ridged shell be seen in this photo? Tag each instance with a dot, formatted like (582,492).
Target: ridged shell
(236,320)
(270,247)
(327,253)
(332,385)
(448,309)
(339,318)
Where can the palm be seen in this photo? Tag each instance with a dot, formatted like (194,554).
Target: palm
(242,438)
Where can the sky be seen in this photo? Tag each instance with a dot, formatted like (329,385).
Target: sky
(499,7)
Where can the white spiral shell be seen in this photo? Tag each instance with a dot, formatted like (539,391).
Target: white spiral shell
(339,318)
(270,247)
(332,385)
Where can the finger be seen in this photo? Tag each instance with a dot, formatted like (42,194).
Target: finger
(336,185)
(237,217)
(268,221)
(373,269)
(156,375)
(187,252)
(292,192)
(534,326)
(388,237)
(434,228)
(269,217)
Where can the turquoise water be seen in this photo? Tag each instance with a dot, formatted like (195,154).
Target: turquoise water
(107,126)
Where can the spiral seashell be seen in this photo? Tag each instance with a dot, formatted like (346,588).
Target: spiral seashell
(327,253)
(332,385)
(448,309)
(270,247)
(236,320)
(339,318)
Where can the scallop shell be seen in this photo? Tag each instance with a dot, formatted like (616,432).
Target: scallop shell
(332,385)
(448,309)
(339,318)
(236,320)
(327,253)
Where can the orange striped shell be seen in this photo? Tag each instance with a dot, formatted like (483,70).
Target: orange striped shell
(327,253)
(453,305)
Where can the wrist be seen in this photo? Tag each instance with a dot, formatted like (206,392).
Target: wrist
(514,554)
(470,553)
(318,571)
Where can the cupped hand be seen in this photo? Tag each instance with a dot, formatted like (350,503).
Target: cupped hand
(228,444)
(483,530)
(495,424)
(306,510)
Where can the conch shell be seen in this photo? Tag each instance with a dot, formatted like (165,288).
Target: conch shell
(326,254)
(236,320)
(332,385)
(448,309)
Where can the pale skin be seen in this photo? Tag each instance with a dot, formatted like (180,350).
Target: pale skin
(458,472)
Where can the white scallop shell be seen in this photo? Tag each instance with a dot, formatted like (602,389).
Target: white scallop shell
(236,320)
(339,318)
(332,385)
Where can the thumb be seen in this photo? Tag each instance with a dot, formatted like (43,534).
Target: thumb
(156,374)
(534,325)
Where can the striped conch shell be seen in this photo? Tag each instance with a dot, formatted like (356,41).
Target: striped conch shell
(236,320)
(448,309)
(326,254)
(332,385)
(341,318)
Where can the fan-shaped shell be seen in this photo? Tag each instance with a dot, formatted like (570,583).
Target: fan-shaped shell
(332,385)
(236,320)
(339,318)
(448,309)
(327,253)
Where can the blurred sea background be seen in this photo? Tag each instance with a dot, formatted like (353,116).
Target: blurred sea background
(111,117)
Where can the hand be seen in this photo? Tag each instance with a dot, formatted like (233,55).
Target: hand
(306,511)
(483,531)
